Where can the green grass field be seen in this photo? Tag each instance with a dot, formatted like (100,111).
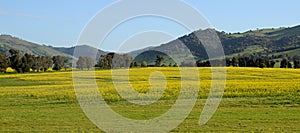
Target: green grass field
(255,100)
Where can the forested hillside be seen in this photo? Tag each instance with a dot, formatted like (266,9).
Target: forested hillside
(275,43)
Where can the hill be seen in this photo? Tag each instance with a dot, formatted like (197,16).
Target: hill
(82,50)
(273,42)
(8,42)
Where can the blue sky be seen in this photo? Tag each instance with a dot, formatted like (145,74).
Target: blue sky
(60,22)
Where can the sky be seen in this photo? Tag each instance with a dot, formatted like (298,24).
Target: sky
(60,22)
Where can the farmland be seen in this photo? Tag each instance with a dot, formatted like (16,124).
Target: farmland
(258,100)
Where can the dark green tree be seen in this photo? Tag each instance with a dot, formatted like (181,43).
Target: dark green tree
(46,63)
(25,65)
(296,64)
(59,62)
(242,61)
(296,60)
(113,60)
(228,62)
(235,62)
(272,64)
(159,60)
(27,62)
(16,60)
(290,65)
(57,67)
(284,63)
(203,63)
(109,58)
(37,63)
(263,62)
(103,62)
(4,63)
(134,64)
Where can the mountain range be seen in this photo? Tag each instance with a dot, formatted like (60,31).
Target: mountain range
(272,42)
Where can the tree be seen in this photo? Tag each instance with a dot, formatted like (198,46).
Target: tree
(228,62)
(84,62)
(59,62)
(123,61)
(81,63)
(263,62)
(235,62)
(89,63)
(103,62)
(296,64)
(144,64)
(262,65)
(159,60)
(37,63)
(46,63)
(175,65)
(200,63)
(25,65)
(203,63)
(114,61)
(284,63)
(106,61)
(272,64)
(242,62)
(16,60)
(27,62)
(296,59)
(109,58)
(4,63)
(251,62)
(134,64)
(290,65)
(57,67)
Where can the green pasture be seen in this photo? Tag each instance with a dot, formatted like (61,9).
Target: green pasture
(254,100)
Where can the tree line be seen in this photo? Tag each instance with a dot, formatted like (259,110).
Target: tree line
(28,62)
(248,61)
(263,62)
(115,61)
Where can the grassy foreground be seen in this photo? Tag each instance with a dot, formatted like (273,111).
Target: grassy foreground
(258,100)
